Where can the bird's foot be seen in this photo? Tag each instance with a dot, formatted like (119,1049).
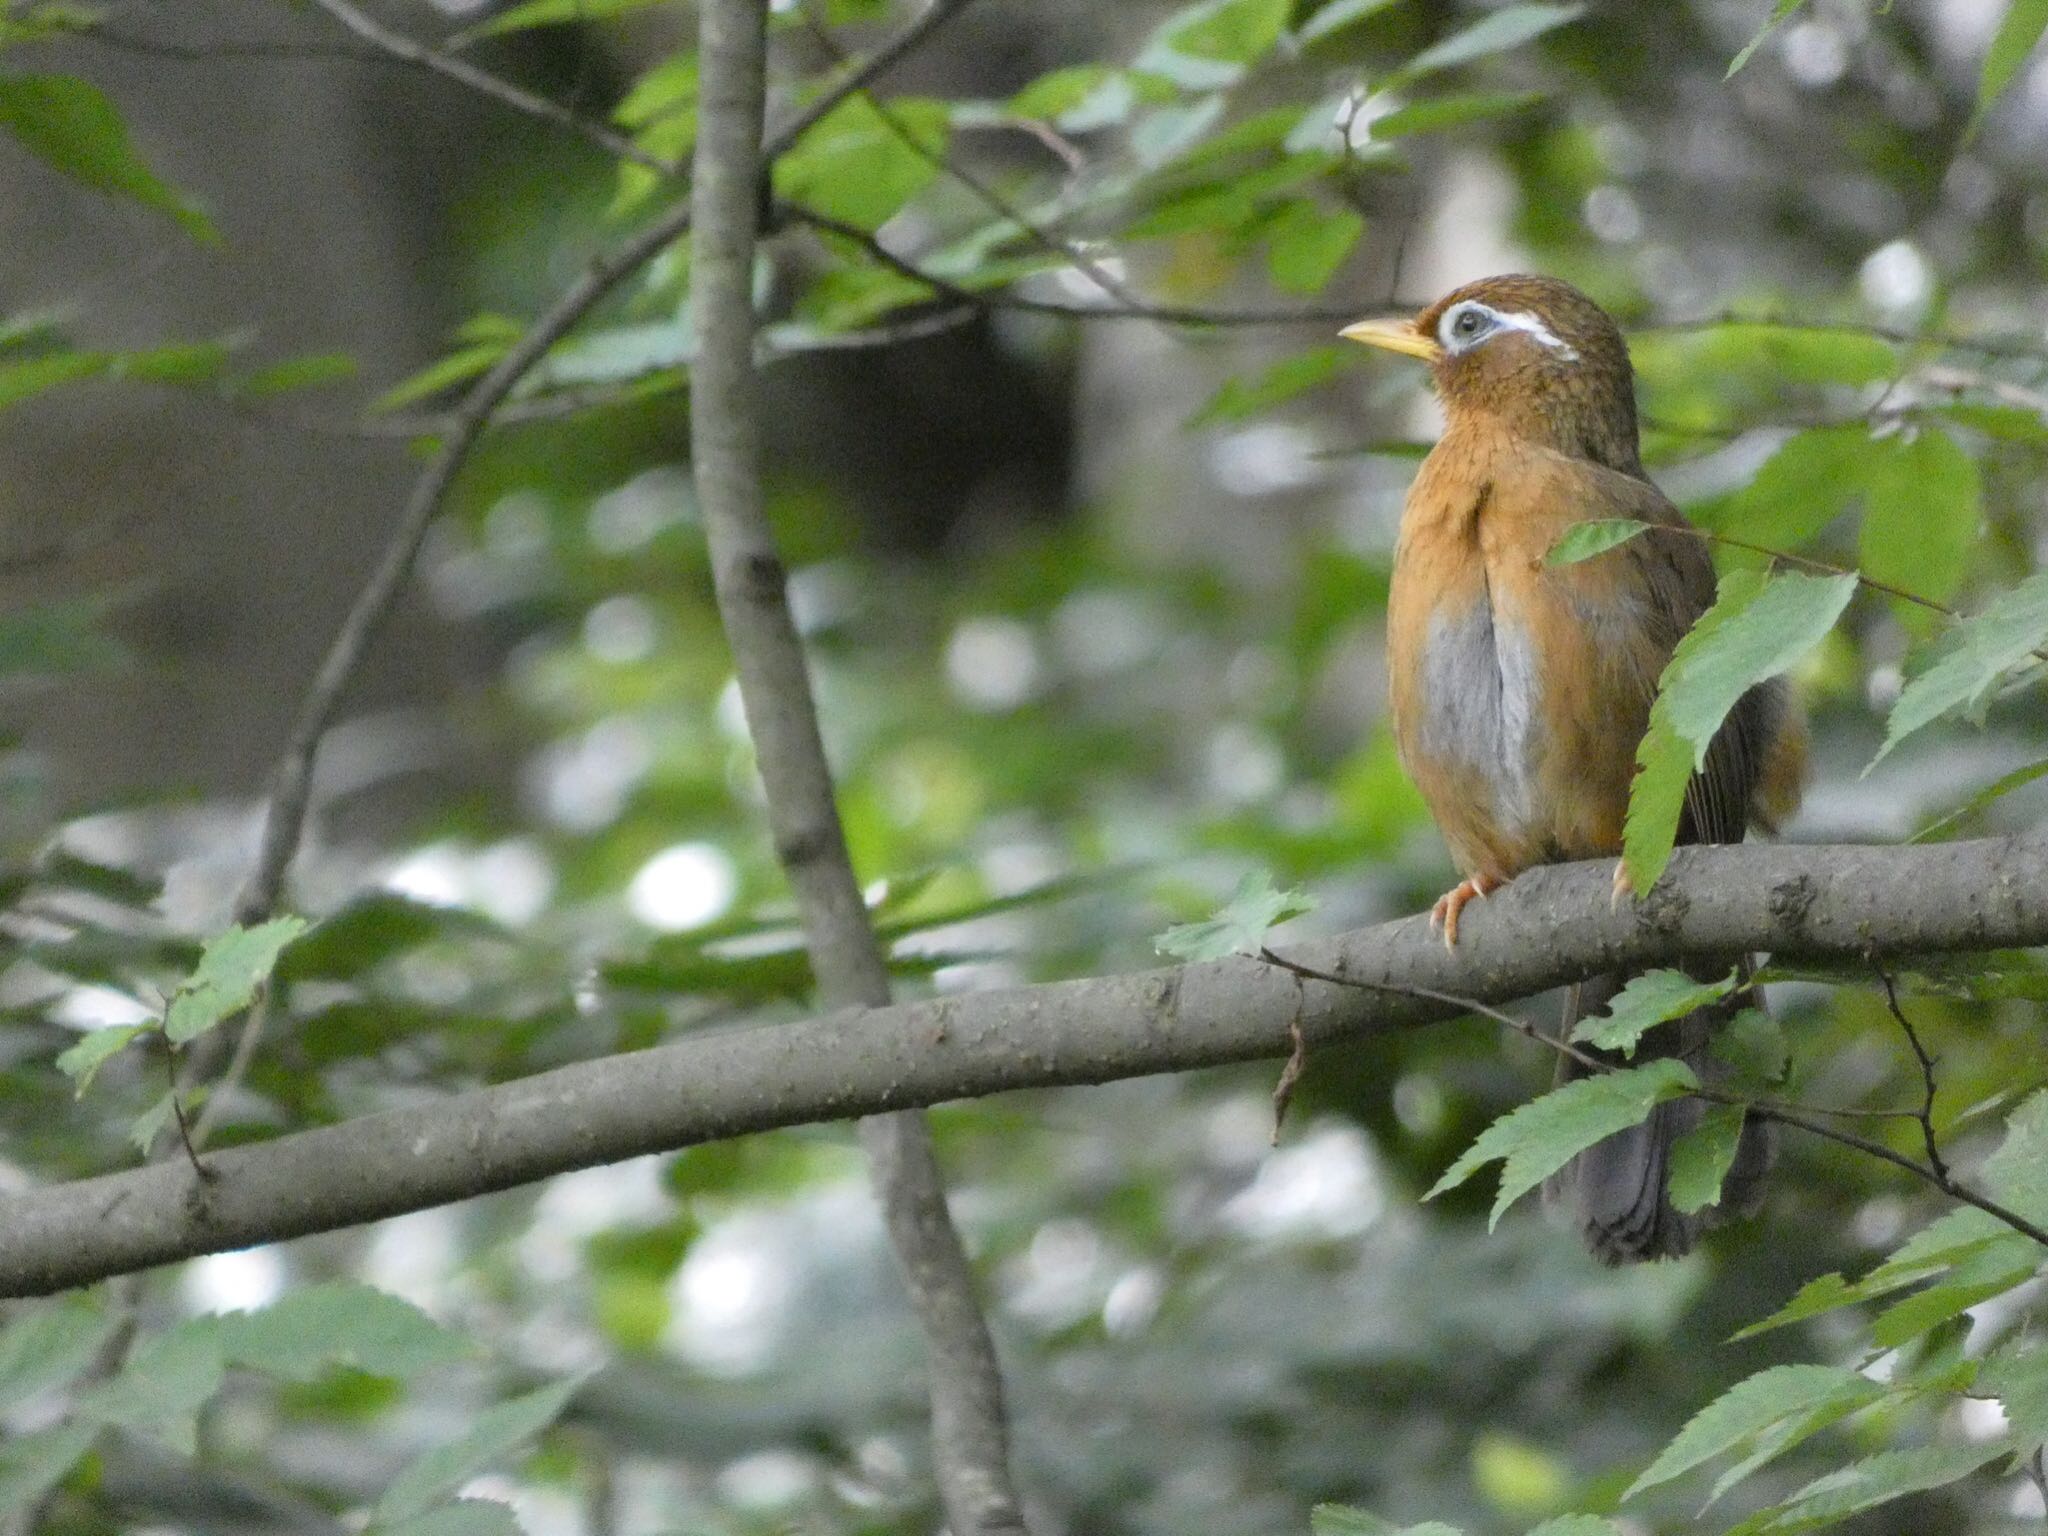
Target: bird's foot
(1444,914)
(1623,886)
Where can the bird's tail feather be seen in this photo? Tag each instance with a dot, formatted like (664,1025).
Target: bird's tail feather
(1615,1191)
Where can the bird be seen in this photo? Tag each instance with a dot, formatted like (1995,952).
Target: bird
(1519,690)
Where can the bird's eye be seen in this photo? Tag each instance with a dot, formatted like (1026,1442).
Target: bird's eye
(1468,323)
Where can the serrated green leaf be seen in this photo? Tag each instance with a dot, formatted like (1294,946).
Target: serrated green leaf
(1973,657)
(1779,12)
(2018,1377)
(2018,32)
(49,1343)
(1240,927)
(144,1129)
(1774,1442)
(1653,998)
(1306,244)
(314,1328)
(230,970)
(2017,1173)
(1502,30)
(494,1435)
(1442,112)
(163,1385)
(1701,1158)
(464,1517)
(1750,1407)
(860,166)
(70,125)
(83,1061)
(34,1463)
(1878,1480)
(1904,1321)
(1922,503)
(1540,1137)
(456,368)
(1757,628)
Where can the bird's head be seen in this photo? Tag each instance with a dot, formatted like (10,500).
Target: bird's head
(1532,354)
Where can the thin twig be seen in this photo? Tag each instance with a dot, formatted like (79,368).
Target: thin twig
(1796,1116)
(177,1108)
(970,1435)
(1926,1113)
(484,83)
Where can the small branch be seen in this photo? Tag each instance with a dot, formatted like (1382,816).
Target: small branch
(1934,1172)
(865,74)
(410,51)
(1925,1114)
(970,1436)
(1552,926)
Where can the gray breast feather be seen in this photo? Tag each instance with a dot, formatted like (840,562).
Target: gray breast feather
(1479,705)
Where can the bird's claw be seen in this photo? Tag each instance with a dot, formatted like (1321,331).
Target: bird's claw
(1623,886)
(1444,914)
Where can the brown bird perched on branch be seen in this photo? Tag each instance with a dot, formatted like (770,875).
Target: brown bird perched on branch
(1520,690)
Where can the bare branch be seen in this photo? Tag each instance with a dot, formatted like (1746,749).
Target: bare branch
(1552,926)
(970,1438)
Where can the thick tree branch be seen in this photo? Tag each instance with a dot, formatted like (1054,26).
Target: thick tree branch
(1549,927)
(970,1439)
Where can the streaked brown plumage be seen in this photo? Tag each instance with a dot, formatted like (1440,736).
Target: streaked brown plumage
(1520,690)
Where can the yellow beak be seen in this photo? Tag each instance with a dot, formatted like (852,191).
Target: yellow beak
(1394,336)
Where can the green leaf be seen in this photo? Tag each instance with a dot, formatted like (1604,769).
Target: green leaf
(1878,1480)
(71,126)
(32,1464)
(1973,657)
(1443,112)
(1577,1525)
(1227,31)
(1757,628)
(1653,998)
(144,1129)
(167,1379)
(860,166)
(312,1329)
(230,969)
(1779,12)
(49,1343)
(1505,29)
(1306,243)
(1800,488)
(2017,1173)
(1543,1135)
(1753,1044)
(308,372)
(458,366)
(1996,790)
(25,380)
(464,1517)
(1293,375)
(1240,927)
(2018,1378)
(1922,503)
(1991,1273)
(550,13)
(1701,1158)
(494,1435)
(2025,21)
(1751,1406)
(1342,1520)
(1338,14)
(83,1061)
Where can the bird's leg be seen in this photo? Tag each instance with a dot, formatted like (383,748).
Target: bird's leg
(1444,914)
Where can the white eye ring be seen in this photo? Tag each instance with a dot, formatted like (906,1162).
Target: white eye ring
(1464,324)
